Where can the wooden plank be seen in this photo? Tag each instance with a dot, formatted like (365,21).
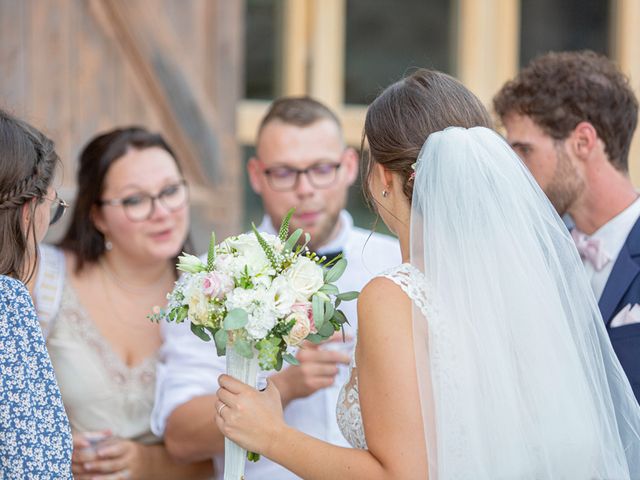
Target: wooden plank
(488,44)
(145,41)
(626,48)
(295,46)
(328,51)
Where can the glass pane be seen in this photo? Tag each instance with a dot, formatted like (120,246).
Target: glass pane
(385,38)
(563,25)
(261,56)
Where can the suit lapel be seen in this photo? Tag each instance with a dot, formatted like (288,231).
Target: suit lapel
(624,271)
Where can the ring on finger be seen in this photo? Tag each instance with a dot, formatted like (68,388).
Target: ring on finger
(221,407)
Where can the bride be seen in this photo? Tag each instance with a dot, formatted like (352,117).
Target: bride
(484,354)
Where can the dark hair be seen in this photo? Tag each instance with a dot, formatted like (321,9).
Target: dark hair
(559,90)
(298,111)
(28,162)
(82,237)
(399,121)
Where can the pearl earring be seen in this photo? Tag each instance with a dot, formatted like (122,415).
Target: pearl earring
(385,193)
(108,245)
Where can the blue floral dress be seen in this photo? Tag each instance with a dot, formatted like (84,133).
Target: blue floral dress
(35,438)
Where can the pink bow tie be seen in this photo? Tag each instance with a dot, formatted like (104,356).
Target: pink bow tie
(590,249)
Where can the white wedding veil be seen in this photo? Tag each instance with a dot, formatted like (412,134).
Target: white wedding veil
(517,376)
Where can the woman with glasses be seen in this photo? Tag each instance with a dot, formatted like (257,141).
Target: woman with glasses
(35,438)
(115,263)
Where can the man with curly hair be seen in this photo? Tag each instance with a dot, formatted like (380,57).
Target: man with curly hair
(571,118)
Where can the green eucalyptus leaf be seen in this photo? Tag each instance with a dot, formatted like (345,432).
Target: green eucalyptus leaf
(329,311)
(335,272)
(243,348)
(235,319)
(340,317)
(329,289)
(293,240)
(221,341)
(326,330)
(200,332)
(290,359)
(347,296)
(278,366)
(315,338)
(317,307)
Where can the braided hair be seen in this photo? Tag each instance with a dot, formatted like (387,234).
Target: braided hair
(27,165)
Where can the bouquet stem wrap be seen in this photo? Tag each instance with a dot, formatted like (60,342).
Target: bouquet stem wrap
(245,370)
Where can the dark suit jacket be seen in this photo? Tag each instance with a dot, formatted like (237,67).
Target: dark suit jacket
(622,288)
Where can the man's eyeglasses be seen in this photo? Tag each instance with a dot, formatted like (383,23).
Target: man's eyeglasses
(320,175)
(57,208)
(140,206)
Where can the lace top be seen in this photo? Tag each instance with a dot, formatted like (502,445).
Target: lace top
(35,438)
(413,283)
(98,389)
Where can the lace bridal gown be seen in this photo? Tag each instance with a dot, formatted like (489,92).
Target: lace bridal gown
(413,283)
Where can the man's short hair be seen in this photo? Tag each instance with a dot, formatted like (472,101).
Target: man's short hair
(559,90)
(298,111)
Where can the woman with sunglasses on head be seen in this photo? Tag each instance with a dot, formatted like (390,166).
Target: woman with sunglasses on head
(115,263)
(35,438)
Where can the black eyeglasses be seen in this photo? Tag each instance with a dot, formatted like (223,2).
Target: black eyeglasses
(320,175)
(140,206)
(57,208)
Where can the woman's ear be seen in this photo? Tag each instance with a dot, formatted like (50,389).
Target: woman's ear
(96,217)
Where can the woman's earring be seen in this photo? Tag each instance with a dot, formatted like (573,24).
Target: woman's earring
(385,193)
(108,245)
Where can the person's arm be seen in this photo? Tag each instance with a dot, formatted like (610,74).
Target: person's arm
(389,401)
(191,433)
(121,458)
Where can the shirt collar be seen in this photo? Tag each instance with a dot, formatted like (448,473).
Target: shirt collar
(614,233)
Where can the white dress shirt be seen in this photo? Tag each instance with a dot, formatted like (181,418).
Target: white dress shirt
(189,367)
(613,235)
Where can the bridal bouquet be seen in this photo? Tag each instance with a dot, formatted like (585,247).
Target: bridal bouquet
(256,295)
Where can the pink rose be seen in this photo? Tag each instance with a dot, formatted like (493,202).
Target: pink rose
(217,285)
(306,309)
(300,329)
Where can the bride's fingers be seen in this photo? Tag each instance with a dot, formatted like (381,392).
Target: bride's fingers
(232,384)
(226,397)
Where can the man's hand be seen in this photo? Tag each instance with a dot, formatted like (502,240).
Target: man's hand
(318,369)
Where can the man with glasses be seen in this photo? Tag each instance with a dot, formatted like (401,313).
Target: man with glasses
(301,161)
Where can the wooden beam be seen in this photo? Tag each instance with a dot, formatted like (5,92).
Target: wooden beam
(488,44)
(626,51)
(328,51)
(295,47)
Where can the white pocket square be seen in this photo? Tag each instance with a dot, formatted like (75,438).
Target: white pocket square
(627,316)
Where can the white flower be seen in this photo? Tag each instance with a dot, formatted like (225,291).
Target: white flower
(261,321)
(283,296)
(190,263)
(250,254)
(197,301)
(300,330)
(217,284)
(305,277)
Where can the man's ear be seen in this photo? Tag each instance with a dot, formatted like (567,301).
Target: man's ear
(583,140)
(350,161)
(254,171)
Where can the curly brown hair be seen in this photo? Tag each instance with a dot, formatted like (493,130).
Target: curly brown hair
(558,90)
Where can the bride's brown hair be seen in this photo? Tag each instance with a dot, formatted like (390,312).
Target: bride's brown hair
(399,121)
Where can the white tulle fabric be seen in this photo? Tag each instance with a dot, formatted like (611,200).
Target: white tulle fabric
(517,376)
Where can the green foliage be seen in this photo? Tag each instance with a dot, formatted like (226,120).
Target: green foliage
(268,352)
(243,348)
(220,338)
(335,272)
(317,308)
(211,254)
(200,332)
(268,251)
(347,296)
(293,240)
(284,228)
(236,319)
(290,359)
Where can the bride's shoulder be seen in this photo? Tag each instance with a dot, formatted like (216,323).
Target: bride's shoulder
(381,296)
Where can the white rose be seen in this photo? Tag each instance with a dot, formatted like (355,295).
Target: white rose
(305,277)
(250,253)
(282,295)
(300,329)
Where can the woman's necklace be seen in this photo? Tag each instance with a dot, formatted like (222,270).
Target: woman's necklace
(129,287)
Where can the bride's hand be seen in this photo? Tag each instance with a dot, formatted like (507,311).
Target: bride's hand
(250,418)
